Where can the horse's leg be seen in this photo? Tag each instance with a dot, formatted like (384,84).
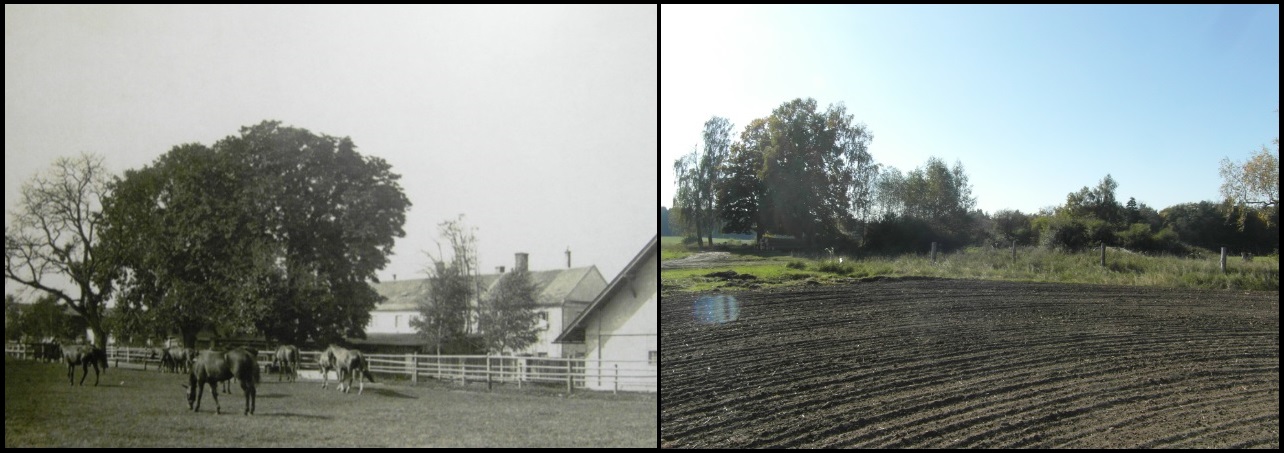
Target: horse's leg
(71,374)
(84,368)
(361,385)
(200,393)
(248,390)
(214,393)
(95,373)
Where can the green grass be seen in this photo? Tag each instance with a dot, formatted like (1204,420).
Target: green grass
(150,410)
(1031,264)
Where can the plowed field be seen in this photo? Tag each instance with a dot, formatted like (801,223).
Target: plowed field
(957,363)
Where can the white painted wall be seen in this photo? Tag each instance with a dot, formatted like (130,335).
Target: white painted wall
(623,333)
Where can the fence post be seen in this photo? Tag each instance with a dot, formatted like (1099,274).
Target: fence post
(933,252)
(413,358)
(1103,254)
(487,372)
(568,376)
(617,380)
(1223,260)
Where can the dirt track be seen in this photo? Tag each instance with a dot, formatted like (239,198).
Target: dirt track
(956,363)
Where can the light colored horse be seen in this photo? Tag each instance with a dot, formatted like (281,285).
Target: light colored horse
(346,362)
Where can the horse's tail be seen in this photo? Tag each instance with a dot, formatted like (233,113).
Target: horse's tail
(365,369)
(101,355)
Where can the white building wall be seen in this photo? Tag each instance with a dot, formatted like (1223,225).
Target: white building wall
(391,322)
(623,334)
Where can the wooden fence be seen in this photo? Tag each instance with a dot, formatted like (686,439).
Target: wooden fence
(574,374)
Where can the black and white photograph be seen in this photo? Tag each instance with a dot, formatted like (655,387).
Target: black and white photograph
(331,226)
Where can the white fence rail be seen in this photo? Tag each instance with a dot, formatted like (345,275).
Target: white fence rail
(613,375)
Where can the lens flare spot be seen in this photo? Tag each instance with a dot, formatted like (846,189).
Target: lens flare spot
(719,309)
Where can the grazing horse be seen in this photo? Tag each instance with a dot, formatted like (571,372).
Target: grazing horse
(180,359)
(212,367)
(326,361)
(287,359)
(161,355)
(83,355)
(347,362)
(254,353)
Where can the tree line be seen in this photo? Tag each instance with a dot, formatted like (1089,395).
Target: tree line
(806,173)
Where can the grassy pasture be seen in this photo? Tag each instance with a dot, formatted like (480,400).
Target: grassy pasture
(1031,264)
(150,410)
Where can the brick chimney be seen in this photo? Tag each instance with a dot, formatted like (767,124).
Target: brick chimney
(499,269)
(521,262)
(568,257)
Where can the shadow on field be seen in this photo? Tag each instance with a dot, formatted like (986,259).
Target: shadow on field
(293,415)
(393,394)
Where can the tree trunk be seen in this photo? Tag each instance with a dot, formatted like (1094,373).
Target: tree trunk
(100,336)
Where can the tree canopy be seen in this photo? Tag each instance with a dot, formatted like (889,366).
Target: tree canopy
(812,161)
(275,230)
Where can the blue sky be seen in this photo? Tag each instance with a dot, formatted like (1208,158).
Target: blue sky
(1035,101)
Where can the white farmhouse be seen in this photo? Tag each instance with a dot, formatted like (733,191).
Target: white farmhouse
(563,294)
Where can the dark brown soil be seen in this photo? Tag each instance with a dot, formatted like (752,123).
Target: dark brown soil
(958,363)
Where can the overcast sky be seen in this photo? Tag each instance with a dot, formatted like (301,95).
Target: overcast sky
(536,122)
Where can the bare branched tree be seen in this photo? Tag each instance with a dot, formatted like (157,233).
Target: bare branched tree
(54,234)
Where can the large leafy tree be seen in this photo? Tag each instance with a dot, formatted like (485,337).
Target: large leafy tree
(55,232)
(178,229)
(812,164)
(743,205)
(276,230)
(508,317)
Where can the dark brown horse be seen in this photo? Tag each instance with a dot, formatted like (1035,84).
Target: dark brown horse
(347,362)
(83,355)
(212,367)
(287,359)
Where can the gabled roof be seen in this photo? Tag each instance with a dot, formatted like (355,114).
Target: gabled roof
(556,286)
(575,333)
